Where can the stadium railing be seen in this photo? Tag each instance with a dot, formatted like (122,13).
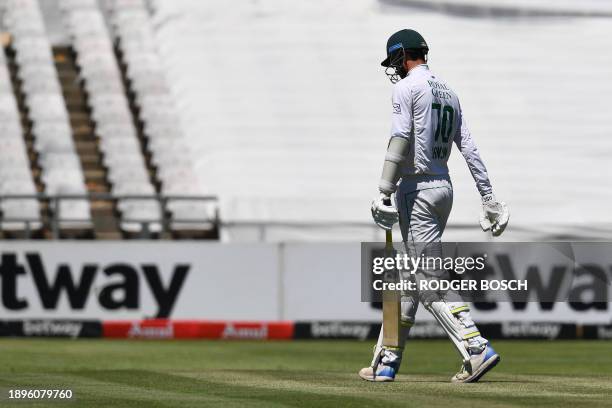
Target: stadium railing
(259,230)
(52,220)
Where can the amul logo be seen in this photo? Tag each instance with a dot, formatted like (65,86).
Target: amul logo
(235,331)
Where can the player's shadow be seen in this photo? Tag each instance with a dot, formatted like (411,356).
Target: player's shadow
(429,378)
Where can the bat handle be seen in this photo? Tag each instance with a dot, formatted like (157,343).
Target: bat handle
(389,237)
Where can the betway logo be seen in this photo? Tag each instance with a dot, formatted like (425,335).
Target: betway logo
(583,288)
(231,331)
(50,328)
(338,329)
(123,292)
(544,330)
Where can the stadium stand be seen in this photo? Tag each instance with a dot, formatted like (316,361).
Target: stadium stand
(41,96)
(156,110)
(100,127)
(112,117)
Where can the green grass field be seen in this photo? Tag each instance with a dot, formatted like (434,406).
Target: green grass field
(103,373)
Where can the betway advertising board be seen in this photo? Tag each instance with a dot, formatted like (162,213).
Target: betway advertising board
(221,282)
(134,280)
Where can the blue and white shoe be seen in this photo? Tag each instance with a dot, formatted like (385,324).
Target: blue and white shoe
(387,363)
(477,366)
(384,373)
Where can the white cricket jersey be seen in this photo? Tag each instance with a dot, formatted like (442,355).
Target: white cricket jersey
(426,111)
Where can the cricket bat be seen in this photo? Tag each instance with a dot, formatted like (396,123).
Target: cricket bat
(391,306)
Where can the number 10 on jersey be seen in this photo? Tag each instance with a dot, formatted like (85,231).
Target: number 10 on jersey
(444,129)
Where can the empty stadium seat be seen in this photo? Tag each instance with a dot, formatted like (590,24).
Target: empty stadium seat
(47,107)
(115,130)
(40,85)
(9,159)
(8,108)
(53,143)
(15,173)
(128,174)
(59,180)
(116,145)
(191,215)
(60,130)
(19,214)
(123,158)
(138,214)
(110,113)
(28,72)
(71,213)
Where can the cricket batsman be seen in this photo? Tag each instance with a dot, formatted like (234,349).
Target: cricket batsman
(426,121)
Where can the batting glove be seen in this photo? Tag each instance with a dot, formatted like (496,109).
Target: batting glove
(384,212)
(494,216)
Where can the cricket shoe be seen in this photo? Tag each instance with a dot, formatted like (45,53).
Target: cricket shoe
(387,365)
(384,373)
(478,365)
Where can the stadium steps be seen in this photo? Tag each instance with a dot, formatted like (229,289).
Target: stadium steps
(139,125)
(104,215)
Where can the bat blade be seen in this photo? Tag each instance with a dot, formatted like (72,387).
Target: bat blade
(391,306)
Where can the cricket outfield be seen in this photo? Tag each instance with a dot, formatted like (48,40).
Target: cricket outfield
(121,373)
